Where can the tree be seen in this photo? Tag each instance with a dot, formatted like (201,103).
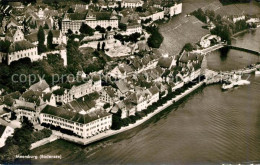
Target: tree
(116,122)
(103,46)
(85,29)
(41,39)
(70,32)
(70,10)
(134,37)
(86,1)
(155,40)
(188,47)
(4,46)
(109,28)
(54,27)
(122,26)
(98,46)
(46,26)
(95,1)
(50,40)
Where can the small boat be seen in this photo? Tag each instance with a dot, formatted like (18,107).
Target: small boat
(248,71)
(241,82)
(234,82)
(257,72)
(227,86)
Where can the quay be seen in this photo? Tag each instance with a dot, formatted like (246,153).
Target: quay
(109,133)
(213,77)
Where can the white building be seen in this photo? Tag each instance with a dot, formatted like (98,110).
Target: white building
(58,37)
(73,21)
(136,28)
(153,14)
(5,132)
(173,9)
(22,49)
(103,19)
(131,3)
(77,91)
(238,18)
(14,34)
(84,123)
(153,95)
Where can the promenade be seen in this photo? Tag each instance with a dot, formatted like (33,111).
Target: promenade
(110,133)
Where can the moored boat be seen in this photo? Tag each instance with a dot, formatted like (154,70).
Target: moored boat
(257,72)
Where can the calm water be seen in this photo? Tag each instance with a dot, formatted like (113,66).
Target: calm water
(210,126)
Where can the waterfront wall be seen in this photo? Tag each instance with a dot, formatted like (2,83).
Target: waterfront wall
(110,133)
(43,141)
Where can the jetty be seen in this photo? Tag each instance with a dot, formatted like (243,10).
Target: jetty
(213,77)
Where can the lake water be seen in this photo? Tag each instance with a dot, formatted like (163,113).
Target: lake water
(209,126)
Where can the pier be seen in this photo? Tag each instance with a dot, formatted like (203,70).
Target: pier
(213,77)
(243,49)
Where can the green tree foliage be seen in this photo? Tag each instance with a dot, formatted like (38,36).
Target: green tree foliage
(155,40)
(70,10)
(41,39)
(4,46)
(50,40)
(46,26)
(122,26)
(69,32)
(227,2)
(100,29)
(87,30)
(200,15)
(86,1)
(103,46)
(116,122)
(134,37)
(188,47)
(95,1)
(109,28)
(98,46)
(21,141)
(140,9)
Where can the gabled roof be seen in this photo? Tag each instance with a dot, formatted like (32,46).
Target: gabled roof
(11,31)
(9,98)
(21,45)
(55,33)
(39,86)
(32,96)
(154,90)
(71,115)
(77,16)
(47,96)
(124,68)
(109,90)
(122,86)
(188,56)
(32,37)
(165,62)
(24,105)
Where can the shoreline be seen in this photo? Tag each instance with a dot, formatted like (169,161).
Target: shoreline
(243,31)
(111,133)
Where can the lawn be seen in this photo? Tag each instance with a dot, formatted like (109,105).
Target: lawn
(181,30)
